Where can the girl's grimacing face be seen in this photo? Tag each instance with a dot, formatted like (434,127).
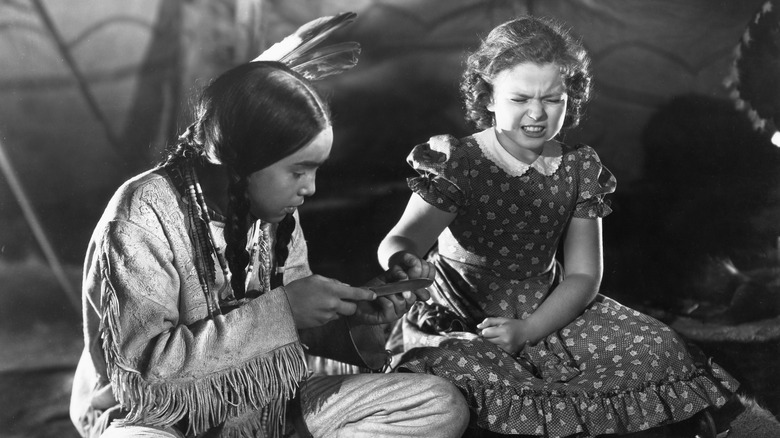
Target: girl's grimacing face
(529,103)
(280,188)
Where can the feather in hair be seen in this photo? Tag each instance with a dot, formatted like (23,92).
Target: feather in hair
(295,48)
(329,60)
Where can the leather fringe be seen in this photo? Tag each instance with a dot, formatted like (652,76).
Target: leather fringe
(264,383)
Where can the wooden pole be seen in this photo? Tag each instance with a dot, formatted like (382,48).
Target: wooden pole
(37,229)
(73,66)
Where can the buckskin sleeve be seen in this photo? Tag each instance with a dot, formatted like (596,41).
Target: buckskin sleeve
(165,365)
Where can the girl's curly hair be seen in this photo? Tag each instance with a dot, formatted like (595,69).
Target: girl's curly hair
(525,39)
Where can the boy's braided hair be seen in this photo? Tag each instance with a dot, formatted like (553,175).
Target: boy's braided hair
(247,119)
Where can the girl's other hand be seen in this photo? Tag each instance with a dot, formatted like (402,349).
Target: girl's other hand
(316,300)
(509,334)
(404,265)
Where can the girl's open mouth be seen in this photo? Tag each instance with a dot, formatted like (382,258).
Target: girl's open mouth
(533,130)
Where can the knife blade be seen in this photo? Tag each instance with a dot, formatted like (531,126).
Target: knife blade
(401,286)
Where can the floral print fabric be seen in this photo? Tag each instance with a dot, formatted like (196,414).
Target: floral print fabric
(611,370)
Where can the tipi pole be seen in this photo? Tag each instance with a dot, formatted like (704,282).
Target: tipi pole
(37,229)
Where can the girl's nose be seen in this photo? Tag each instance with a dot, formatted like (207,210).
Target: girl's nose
(536,111)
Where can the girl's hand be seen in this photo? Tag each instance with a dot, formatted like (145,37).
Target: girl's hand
(316,300)
(404,265)
(509,334)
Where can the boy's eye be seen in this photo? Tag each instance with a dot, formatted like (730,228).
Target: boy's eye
(302,173)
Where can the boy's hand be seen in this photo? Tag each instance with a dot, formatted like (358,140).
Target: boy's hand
(316,300)
(383,309)
(387,308)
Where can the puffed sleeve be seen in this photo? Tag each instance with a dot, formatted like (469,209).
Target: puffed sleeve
(443,169)
(595,183)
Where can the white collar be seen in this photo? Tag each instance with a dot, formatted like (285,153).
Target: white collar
(546,163)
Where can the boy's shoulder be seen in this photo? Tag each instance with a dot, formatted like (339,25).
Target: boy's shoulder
(150,188)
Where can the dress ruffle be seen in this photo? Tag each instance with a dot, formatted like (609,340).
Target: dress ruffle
(523,406)
(612,370)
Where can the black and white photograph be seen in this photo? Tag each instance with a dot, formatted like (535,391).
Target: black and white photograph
(390,218)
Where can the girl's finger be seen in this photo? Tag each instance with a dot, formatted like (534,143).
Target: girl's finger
(487,322)
(398,273)
(421,295)
(424,270)
(489,333)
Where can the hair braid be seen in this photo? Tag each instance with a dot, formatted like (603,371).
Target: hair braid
(236,228)
(190,144)
(281,248)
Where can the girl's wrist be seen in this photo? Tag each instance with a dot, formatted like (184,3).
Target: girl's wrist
(533,332)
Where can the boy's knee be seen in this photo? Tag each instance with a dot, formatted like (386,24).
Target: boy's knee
(454,410)
(140,432)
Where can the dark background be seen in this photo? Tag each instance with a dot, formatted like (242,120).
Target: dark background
(90,92)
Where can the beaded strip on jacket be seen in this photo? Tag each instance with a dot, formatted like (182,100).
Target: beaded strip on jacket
(185,179)
(281,249)
(200,232)
(261,251)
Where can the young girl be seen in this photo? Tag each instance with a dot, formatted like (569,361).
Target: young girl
(199,300)
(530,343)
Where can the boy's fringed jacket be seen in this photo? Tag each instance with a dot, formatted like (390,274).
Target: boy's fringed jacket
(152,355)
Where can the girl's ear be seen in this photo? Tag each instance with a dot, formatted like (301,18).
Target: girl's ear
(490,105)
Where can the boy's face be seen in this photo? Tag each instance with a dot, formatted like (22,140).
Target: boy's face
(280,188)
(529,103)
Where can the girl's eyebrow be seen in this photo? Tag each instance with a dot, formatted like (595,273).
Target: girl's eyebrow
(551,94)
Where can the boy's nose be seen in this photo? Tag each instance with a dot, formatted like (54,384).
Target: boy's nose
(308,188)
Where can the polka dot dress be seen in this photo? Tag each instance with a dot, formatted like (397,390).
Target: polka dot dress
(611,370)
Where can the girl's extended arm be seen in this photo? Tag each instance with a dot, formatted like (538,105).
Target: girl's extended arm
(415,233)
(583,262)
